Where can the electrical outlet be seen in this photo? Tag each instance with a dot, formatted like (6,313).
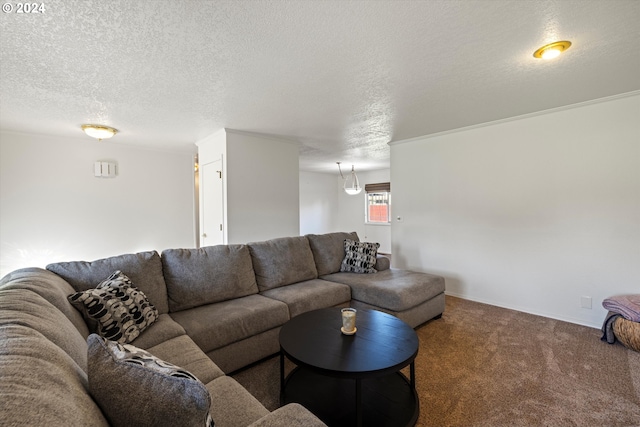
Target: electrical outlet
(585,302)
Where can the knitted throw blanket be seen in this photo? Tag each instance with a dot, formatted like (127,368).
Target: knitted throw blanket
(626,305)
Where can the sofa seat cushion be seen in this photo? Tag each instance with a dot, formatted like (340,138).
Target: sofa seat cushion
(393,289)
(242,353)
(328,250)
(211,274)
(26,308)
(163,329)
(183,352)
(232,405)
(134,388)
(40,384)
(283,261)
(144,269)
(310,295)
(51,287)
(216,325)
(415,316)
(291,415)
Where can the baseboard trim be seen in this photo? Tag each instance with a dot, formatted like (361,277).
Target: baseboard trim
(525,310)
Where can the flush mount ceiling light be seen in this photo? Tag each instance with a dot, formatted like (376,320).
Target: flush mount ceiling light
(351,183)
(99,132)
(552,50)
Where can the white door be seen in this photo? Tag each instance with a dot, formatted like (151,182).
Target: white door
(212,210)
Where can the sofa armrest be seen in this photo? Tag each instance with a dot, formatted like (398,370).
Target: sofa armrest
(291,415)
(382,263)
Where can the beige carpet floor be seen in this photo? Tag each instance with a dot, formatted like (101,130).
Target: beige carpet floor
(481,365)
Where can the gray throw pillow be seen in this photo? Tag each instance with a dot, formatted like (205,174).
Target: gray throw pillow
(134,388)
(360,257)
(115,309)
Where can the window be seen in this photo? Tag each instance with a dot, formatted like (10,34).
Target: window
(378,203)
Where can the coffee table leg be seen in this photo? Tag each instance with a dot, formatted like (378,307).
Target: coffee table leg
(412,373)
(281,377)
(359,403)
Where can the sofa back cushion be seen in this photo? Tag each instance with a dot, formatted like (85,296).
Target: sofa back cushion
(211,274)
(49,286)
(283,261)
(41,385)
(144,269)
(328,250)
(25,307)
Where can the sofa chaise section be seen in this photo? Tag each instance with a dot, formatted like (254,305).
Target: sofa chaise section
(412,296)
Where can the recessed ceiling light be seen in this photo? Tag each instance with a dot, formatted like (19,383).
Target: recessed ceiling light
(552,50)
(99,132)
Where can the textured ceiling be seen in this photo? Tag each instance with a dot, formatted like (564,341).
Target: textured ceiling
(343,78)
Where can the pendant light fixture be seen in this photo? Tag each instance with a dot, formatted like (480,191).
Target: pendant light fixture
(351,183)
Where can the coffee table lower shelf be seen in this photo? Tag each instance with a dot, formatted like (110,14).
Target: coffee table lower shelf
(387,401)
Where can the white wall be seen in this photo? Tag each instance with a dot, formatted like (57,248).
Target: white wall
(318,203)
(262,182)
(52,208)
(529,214)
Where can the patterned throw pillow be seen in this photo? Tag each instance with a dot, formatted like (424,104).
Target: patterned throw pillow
(115,309)
(360,257)
(135,388)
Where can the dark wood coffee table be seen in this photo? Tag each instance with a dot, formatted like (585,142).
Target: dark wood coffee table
(351,379)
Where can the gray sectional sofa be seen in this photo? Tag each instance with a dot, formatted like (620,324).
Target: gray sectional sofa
(219,309)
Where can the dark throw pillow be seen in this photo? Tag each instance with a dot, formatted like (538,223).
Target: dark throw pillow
(360,257)
(134,388)
(115,309)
